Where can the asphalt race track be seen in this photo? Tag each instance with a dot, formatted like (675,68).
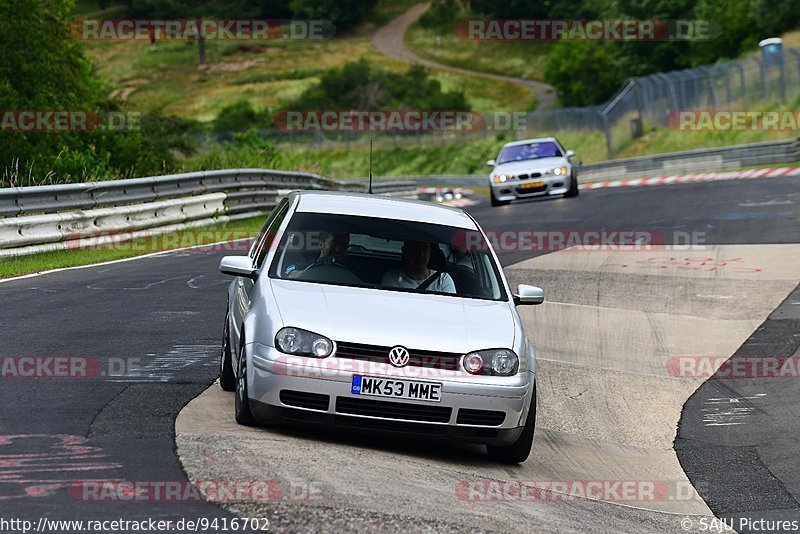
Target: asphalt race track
(609,409)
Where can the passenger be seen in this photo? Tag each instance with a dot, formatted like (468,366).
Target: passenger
(416,255)
(333,249)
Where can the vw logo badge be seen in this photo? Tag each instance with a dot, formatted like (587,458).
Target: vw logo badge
(399,356)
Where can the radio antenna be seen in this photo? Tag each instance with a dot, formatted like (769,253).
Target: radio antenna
(370,165)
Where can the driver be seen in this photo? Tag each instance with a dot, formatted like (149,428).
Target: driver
(333,249)
(415,271)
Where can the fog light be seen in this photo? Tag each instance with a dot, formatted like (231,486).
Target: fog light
(321,347)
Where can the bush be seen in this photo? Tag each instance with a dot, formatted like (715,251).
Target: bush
(442,15)
(359,86)
(237,117)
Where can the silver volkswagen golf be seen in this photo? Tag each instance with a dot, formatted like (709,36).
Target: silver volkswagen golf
(378,313)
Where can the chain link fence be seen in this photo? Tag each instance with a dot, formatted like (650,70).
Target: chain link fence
(653,101)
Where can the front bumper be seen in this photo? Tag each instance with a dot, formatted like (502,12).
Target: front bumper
(513,189)
(284,389)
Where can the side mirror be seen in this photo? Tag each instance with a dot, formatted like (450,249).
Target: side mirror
(528,295)
(570,153)
(238,266)
(491,163)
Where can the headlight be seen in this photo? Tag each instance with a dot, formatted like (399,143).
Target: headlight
(558,171)
(302,342)
(473,363)
(500,178)
(502,362)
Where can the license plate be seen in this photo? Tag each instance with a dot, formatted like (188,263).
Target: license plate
(396,389)
(531,185)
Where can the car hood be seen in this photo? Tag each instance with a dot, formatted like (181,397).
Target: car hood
(529,165)
(388,318)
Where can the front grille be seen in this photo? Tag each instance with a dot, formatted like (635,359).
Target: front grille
(450,361)
(532,189)
(480,417)
(300,399)
(531,175)
(393,410)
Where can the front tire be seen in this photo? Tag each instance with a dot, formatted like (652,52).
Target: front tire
(573,190)
(518,451)
(242,412)
(496,202)
(227,379)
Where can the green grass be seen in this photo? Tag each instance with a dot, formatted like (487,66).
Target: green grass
(664,140)
(165,76)
(467,157)
(513,58)
(58,259)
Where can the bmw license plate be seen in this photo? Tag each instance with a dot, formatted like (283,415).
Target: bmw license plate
(531,185)
(397,389)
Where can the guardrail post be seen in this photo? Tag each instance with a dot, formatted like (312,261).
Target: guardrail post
(762,76)
(606,128)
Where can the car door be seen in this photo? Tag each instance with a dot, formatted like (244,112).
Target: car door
(243,287)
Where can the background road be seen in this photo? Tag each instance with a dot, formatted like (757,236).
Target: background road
(389,40)
(167,311)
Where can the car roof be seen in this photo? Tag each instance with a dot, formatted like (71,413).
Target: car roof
(384,207)
(534,140)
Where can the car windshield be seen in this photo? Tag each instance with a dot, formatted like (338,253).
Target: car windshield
(536,150)
(387,254)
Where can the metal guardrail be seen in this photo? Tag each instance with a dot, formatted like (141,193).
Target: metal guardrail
(246,189)
(700,160)
(40,218)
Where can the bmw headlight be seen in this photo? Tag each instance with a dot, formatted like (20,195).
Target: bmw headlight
(501,178)
(302,342)
(557,171)
(501,362)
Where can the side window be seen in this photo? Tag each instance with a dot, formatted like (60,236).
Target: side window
(260,237)
(268,231)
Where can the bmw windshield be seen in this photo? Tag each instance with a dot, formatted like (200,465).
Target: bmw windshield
(387,254)
(537,150)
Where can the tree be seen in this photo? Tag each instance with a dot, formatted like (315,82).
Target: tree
(344,14)
(584,73)
(732,27)
(637,58)
(45,69)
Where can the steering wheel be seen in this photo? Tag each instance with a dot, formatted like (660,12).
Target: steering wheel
(329,272)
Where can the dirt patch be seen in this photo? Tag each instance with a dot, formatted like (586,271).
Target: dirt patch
(233,66)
